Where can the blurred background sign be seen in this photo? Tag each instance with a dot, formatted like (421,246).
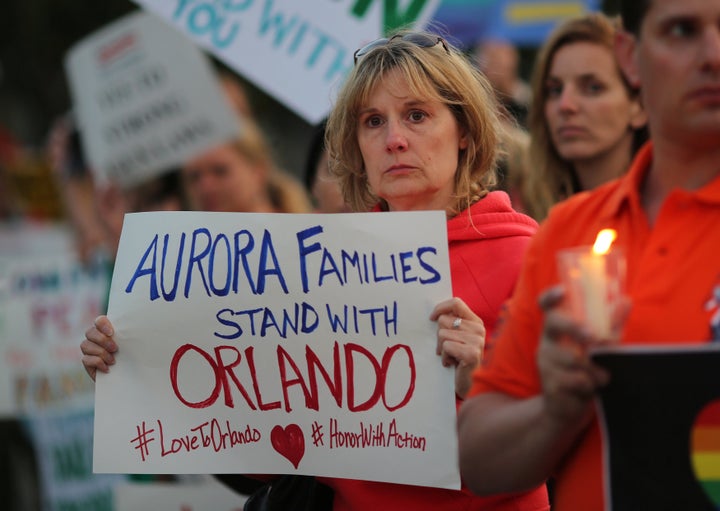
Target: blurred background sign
(47,299)
(146,99)
(522,22)
(298,52)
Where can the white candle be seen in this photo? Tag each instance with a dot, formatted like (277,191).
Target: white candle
(594,288)
(594,285)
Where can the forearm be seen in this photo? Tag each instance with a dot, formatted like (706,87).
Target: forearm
(509,444)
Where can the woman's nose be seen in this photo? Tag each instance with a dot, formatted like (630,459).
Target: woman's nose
(396,139)
(567,102)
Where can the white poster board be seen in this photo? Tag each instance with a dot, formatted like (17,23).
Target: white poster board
(62,444)
(146,99)
(298,52)
(256,343)
(47,301)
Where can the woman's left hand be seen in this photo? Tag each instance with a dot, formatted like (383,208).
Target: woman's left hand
(461,338)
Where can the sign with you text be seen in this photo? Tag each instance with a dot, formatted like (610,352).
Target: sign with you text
(298,52)
(272,343)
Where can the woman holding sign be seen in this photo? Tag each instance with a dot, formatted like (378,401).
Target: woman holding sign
(415,127)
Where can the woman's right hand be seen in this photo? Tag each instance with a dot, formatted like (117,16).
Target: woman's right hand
(98,347)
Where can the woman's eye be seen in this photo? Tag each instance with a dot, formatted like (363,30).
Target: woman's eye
(594,87)
(416,116)
(373,121)
(220,170)
(553,90)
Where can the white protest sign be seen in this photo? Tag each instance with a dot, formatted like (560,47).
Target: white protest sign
(298,52)
(62,443)
(146,99)
(202,496)
(47,300)
(273,343)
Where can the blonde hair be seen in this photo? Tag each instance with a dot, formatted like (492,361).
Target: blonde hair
(287,194)
(441,73)
(551,178)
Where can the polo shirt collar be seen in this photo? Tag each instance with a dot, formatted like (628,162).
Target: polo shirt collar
(628,189)
(710,193)
(627,192)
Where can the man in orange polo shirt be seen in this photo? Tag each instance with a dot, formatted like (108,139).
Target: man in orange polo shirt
(532,415)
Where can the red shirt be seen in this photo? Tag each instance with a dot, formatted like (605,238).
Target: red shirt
(673,281)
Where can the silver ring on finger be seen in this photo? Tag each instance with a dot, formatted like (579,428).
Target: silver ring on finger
(456,323)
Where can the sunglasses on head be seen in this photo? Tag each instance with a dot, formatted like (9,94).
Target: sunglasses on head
(416,38)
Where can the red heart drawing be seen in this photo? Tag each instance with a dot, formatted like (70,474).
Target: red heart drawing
(289,442)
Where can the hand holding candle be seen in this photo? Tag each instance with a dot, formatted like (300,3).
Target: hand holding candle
(594,283)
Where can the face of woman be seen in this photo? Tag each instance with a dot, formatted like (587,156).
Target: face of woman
(409,147)
(588,110)
(326,189)
(221,179)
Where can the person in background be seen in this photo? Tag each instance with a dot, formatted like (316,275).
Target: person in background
(235,92)
(415,127)
(241,176)
(159,193)
(324,188)
(586,121)
(499,60)
(532,413)
(246,177)
(96,211)
(514,165)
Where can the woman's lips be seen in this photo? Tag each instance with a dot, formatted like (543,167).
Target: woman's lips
(399,169)
(571,131)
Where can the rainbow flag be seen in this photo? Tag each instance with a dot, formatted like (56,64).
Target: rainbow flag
(705,449)
(660,417)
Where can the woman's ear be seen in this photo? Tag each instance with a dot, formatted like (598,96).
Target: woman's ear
(463,142)
(638,115)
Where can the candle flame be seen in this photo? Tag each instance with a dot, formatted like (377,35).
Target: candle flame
(603,241)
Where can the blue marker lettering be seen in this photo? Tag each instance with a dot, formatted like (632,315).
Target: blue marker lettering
(241,253)
(228,274)
(151,271)
(406,267)
(232,324)
(331,270)
(169,297)
(197,259)
(435,274)
(305,250)
(264,270)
